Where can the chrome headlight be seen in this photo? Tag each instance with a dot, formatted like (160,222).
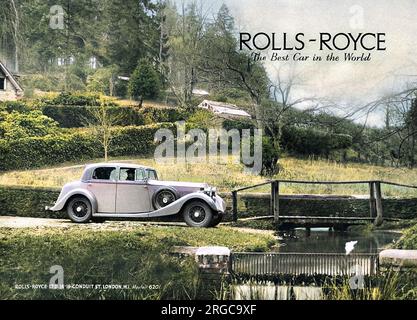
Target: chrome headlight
(210,191)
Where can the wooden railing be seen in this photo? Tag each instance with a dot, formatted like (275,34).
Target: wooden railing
(375,197)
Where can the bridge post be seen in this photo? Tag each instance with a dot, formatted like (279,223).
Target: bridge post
(275,199)
(234,205)
(372,207)
(378,199)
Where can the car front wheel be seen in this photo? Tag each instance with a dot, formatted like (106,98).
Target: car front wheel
(79,209)
(216,220)
(198,214)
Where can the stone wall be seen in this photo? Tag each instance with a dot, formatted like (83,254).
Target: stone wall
(10,93)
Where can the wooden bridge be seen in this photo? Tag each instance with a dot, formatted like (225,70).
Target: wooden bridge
(376,211)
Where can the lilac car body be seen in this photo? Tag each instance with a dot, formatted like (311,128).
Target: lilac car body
(121,190)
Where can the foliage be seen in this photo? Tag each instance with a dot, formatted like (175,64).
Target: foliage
(79,146)
(103,81)
(202,119)
(15,125)
(71,99)
(101,122)
(313,142)
(77,116)
(18,106)
(270,156)
(144,82)
(389,285)
(409,239)
(28,202)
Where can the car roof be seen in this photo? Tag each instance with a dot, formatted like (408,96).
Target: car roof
(116,164)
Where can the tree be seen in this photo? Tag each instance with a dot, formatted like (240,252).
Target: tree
(185,32)
(145,82)
(103,80)
(102,122)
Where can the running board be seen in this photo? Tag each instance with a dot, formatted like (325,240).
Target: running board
(122,215)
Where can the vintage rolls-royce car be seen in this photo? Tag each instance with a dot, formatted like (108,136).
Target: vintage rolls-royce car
(120,190)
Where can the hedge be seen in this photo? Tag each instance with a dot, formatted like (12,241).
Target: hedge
(76,116)
(51,150)
(28,202)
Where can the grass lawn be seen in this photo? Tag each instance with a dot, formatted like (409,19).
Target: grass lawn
(229,176)
(110,254)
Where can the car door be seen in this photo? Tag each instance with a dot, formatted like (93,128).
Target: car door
(132,191)
(103,184)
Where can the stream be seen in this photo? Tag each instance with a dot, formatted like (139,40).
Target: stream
(319,240)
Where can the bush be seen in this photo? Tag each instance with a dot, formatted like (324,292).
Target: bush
(18,106)
(17,125)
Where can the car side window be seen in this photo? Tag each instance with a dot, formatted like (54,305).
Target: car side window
(127,174)
(104,173)
(140,174)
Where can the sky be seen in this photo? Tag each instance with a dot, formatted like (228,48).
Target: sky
(350,84)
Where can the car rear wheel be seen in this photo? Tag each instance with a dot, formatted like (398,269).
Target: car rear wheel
(163,198)
(198,214)
(79,209)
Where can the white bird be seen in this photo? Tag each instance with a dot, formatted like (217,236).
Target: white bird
(349,246)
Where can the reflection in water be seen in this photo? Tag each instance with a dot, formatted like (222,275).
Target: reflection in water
(321,240)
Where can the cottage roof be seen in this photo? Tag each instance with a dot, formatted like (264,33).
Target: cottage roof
(223,108)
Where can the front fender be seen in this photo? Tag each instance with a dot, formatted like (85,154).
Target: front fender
(217,204)
(63,198)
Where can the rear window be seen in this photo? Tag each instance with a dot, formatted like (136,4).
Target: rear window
(152,175)
(105,173)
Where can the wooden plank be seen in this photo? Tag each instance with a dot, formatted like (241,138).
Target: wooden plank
(328,182)
(399,184)
(378,199)
(234,205)
(253,186)
(372,207)
(275,202)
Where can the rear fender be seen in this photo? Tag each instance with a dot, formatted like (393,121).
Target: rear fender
(63,199)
